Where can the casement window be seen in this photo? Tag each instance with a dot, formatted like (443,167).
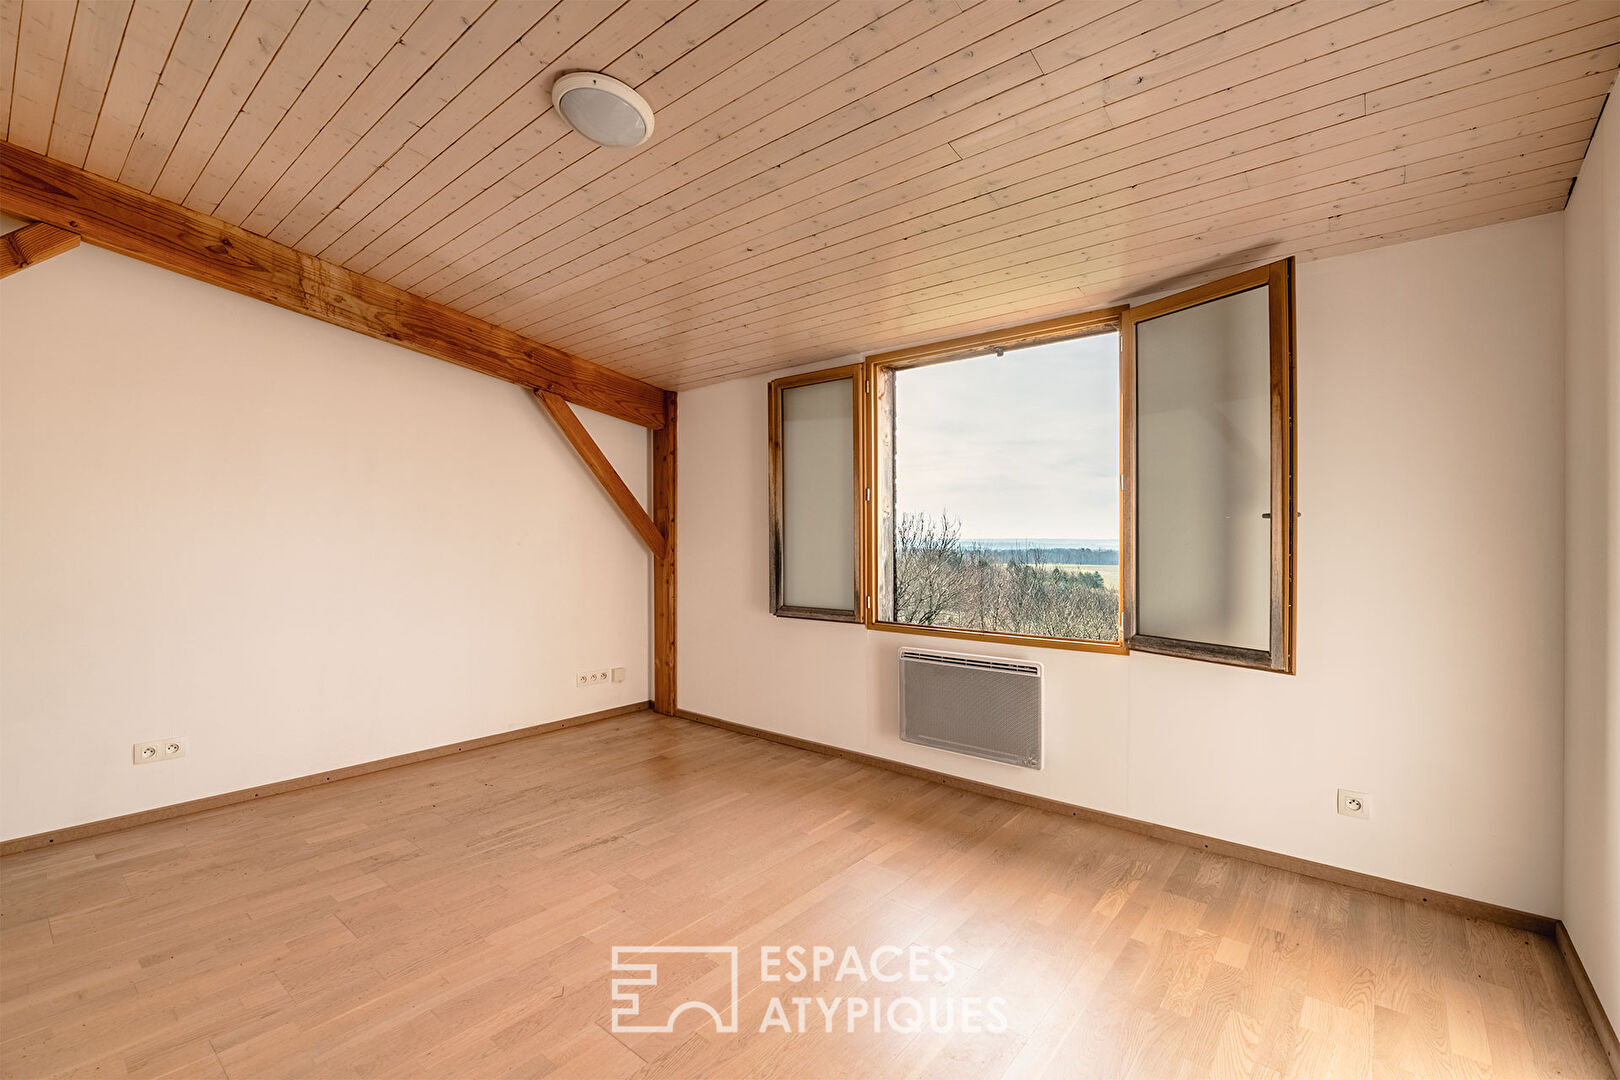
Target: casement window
(815,494)
(1209,480)
(996,495)
(1113,481)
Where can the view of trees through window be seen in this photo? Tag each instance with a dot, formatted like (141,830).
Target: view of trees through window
(1006,495)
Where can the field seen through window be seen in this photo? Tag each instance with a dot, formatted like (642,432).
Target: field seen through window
(1006,492)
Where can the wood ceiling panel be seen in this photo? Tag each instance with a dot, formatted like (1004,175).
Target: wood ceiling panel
(433,163)
(717,117)
(98,29)
(148,36)
(897,149)
(1047,152)
(1145,151)
(634,35)
(827,176)
(359,137)
(1235,201)
(378,33)
(430,41)
(254,44)
(465,89)
(1239,222)
(320,29)
(904,273)
(10,30)
(840,120)
(580,161)
(933,306)
(885,263)
(42,45)
(204,34)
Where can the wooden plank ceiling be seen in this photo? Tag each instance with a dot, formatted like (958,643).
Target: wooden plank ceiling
(827,177)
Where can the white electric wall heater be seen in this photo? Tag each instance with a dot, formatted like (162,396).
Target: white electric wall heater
(983,706)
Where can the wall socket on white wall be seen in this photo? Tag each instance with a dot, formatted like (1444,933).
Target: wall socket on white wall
(601,675)
(145,753)
(1353,803)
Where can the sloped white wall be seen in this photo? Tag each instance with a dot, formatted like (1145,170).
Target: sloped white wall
(1592,750)
(296,547)
(1431,556)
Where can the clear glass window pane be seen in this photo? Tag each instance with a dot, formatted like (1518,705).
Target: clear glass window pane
(1203,386)
(1005,492)
(818,496)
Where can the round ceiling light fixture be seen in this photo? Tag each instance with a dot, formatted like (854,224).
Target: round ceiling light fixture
(603,109)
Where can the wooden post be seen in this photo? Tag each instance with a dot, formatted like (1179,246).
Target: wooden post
(664,486)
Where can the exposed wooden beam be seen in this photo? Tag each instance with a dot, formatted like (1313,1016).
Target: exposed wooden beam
(664,486)
(130,222)
(603,470)
(34,244)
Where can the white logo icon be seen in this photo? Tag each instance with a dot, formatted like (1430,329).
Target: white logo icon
(646,974)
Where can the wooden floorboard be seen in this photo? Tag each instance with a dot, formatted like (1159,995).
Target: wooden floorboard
(455,918)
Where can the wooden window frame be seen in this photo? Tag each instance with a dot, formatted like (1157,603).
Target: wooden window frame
(856,374)
(1278,279)
(872,383)
(880,369)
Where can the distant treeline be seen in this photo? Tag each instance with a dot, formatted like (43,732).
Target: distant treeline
(1050,556)
(939,582)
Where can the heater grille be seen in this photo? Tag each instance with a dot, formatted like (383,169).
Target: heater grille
(983,706)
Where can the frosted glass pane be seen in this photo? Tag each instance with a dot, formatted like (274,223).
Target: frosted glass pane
(1204,473)
(818,496)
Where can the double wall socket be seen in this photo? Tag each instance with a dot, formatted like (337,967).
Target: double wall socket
(145,753)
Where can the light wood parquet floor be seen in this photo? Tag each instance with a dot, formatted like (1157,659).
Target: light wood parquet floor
(455,918)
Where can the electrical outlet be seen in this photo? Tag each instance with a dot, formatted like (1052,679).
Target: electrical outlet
(591,678)
(145,753)
(618,674)
(1353,803)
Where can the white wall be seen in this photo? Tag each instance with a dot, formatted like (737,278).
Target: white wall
(1592,737)
(296,547)
(1430,631)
